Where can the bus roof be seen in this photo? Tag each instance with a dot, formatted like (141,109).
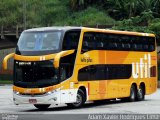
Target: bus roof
(66,28)
(119,32)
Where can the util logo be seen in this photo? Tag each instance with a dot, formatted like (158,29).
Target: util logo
(142,69)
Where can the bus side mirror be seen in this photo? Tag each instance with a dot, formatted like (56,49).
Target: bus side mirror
(5,60)
(59,55)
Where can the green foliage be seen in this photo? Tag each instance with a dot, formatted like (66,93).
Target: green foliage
(55,12)
(90,16)
(134,15)
(137,23)
(155,26)
(2,82)
(9,12)
(147,16)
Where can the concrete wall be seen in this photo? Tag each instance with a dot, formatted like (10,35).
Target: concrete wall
(5,52)
(6,74)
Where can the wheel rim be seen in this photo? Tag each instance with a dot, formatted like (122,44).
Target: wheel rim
(78,100)
(140,93)
(132,94)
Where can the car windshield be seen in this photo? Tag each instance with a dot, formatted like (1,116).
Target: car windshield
(39,41)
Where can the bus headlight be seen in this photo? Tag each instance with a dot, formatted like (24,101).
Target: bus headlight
(15,92)
(49,93)
(54,91)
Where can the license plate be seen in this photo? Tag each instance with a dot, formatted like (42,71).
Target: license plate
(32,101)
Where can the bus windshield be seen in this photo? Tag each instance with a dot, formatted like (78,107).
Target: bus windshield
(34,74)
(39,41)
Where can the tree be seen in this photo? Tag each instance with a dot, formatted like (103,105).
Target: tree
(147,16)
(132,5)
(10,12)
(77,4)
(146,5)
(117,9)
(156,7)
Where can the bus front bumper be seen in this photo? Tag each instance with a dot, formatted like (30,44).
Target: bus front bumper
(65,96)
(36,99)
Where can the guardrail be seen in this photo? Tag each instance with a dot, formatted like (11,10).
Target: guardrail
(11,31)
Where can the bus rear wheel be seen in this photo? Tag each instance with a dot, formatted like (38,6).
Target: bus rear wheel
(80,100)
(42,106)
(132,96)
(140,93)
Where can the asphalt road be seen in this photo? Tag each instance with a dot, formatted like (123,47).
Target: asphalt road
(151,105)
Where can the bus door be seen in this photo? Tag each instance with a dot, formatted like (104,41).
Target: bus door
(64,86)
(70,42)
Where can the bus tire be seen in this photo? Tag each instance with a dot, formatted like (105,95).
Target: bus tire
(42,106)
(132,96)
(80,100)
(140,93)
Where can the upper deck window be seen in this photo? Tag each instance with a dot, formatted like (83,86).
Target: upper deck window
(71,40)
(117,42)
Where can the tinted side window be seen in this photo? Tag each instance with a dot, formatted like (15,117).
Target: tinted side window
(105,72)
(71,40)
(151,44)
(106,41)
(88,42)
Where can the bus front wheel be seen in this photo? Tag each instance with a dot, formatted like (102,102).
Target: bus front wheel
(42,106)
(80,100)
